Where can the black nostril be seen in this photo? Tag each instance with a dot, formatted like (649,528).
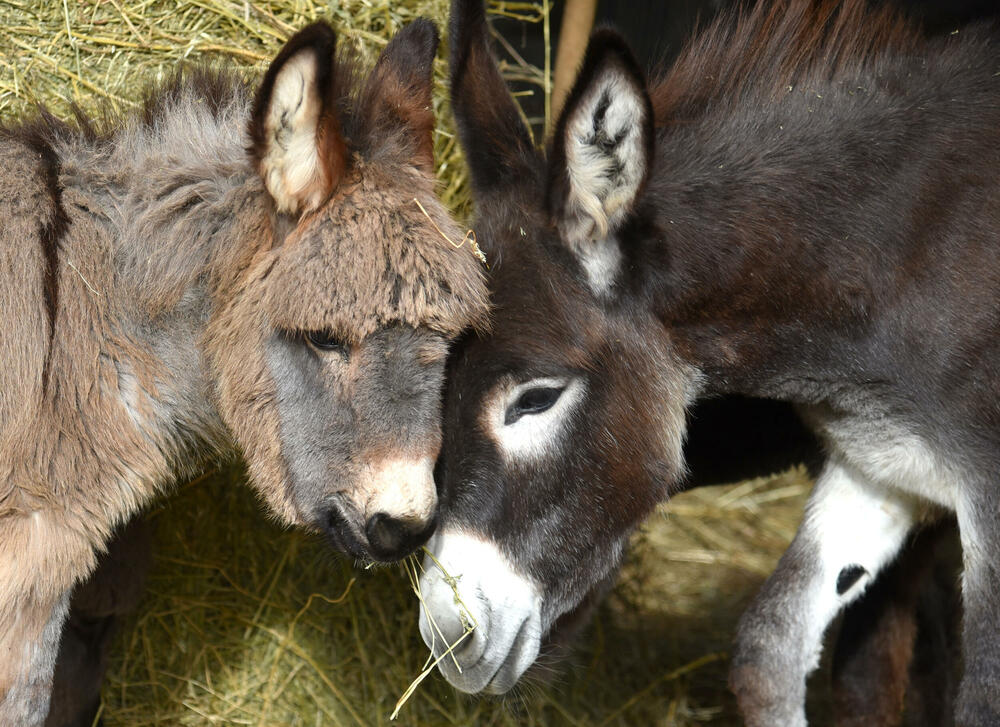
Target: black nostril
(393,538)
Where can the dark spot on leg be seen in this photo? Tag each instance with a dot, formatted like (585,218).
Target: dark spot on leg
(848,577)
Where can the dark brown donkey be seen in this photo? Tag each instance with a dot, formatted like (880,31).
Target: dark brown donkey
(222,272)
(805,208)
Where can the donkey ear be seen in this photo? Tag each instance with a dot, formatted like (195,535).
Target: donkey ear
(294,129)
(602,149)
(397,94)
(496,142)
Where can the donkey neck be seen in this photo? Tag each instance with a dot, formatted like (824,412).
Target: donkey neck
(172,188)
(790,234)
(164,211)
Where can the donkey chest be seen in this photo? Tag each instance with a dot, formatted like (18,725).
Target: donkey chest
(890,455)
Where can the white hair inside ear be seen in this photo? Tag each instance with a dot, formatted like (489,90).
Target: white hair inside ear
(291,164)
(606,163)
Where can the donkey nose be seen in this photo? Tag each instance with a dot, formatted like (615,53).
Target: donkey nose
(391,538)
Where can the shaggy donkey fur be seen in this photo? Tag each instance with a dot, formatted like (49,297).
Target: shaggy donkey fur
(169,296)
(805,208)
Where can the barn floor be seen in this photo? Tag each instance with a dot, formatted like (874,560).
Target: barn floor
(244,623)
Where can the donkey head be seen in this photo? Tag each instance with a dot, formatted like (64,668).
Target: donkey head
(329,343)
(563,426)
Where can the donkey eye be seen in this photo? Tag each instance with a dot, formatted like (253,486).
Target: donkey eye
(533,401)
(326,341)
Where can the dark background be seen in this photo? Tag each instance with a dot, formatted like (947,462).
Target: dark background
(657,29)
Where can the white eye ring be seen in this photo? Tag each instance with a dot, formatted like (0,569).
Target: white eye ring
(533,399)
(532,430)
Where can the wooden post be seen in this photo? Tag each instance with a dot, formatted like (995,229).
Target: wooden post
(577,22)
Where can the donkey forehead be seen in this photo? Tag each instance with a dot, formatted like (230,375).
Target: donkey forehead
(372,257)
(542,308)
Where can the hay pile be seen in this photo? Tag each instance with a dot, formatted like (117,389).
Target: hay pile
(100,53)
(246,624)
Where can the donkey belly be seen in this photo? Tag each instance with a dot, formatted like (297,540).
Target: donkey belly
(889,455)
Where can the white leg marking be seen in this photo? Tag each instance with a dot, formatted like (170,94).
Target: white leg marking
(851,522)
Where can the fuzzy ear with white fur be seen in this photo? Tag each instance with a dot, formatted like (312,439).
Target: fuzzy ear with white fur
(295,134)
(601,153)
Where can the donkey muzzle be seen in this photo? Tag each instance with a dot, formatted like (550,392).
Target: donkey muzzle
(389,512)
(391,538)
(480,608)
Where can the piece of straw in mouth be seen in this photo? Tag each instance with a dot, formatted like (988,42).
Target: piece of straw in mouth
(411,566)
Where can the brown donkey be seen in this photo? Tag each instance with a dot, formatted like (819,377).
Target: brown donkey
(222,273)
(806,208)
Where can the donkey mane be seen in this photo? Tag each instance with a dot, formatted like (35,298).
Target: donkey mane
(158,172)
(214,89)
(774,48)
(166,168)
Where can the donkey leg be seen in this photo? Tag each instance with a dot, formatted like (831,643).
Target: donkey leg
(42,555)
(979,528)
(895,647)
(96,609)
(937,655)
(873,652)
(29,643)
(851,529)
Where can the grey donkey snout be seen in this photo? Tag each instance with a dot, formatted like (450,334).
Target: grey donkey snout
(444,620)
(470,582)
(391,538)
(381,537)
